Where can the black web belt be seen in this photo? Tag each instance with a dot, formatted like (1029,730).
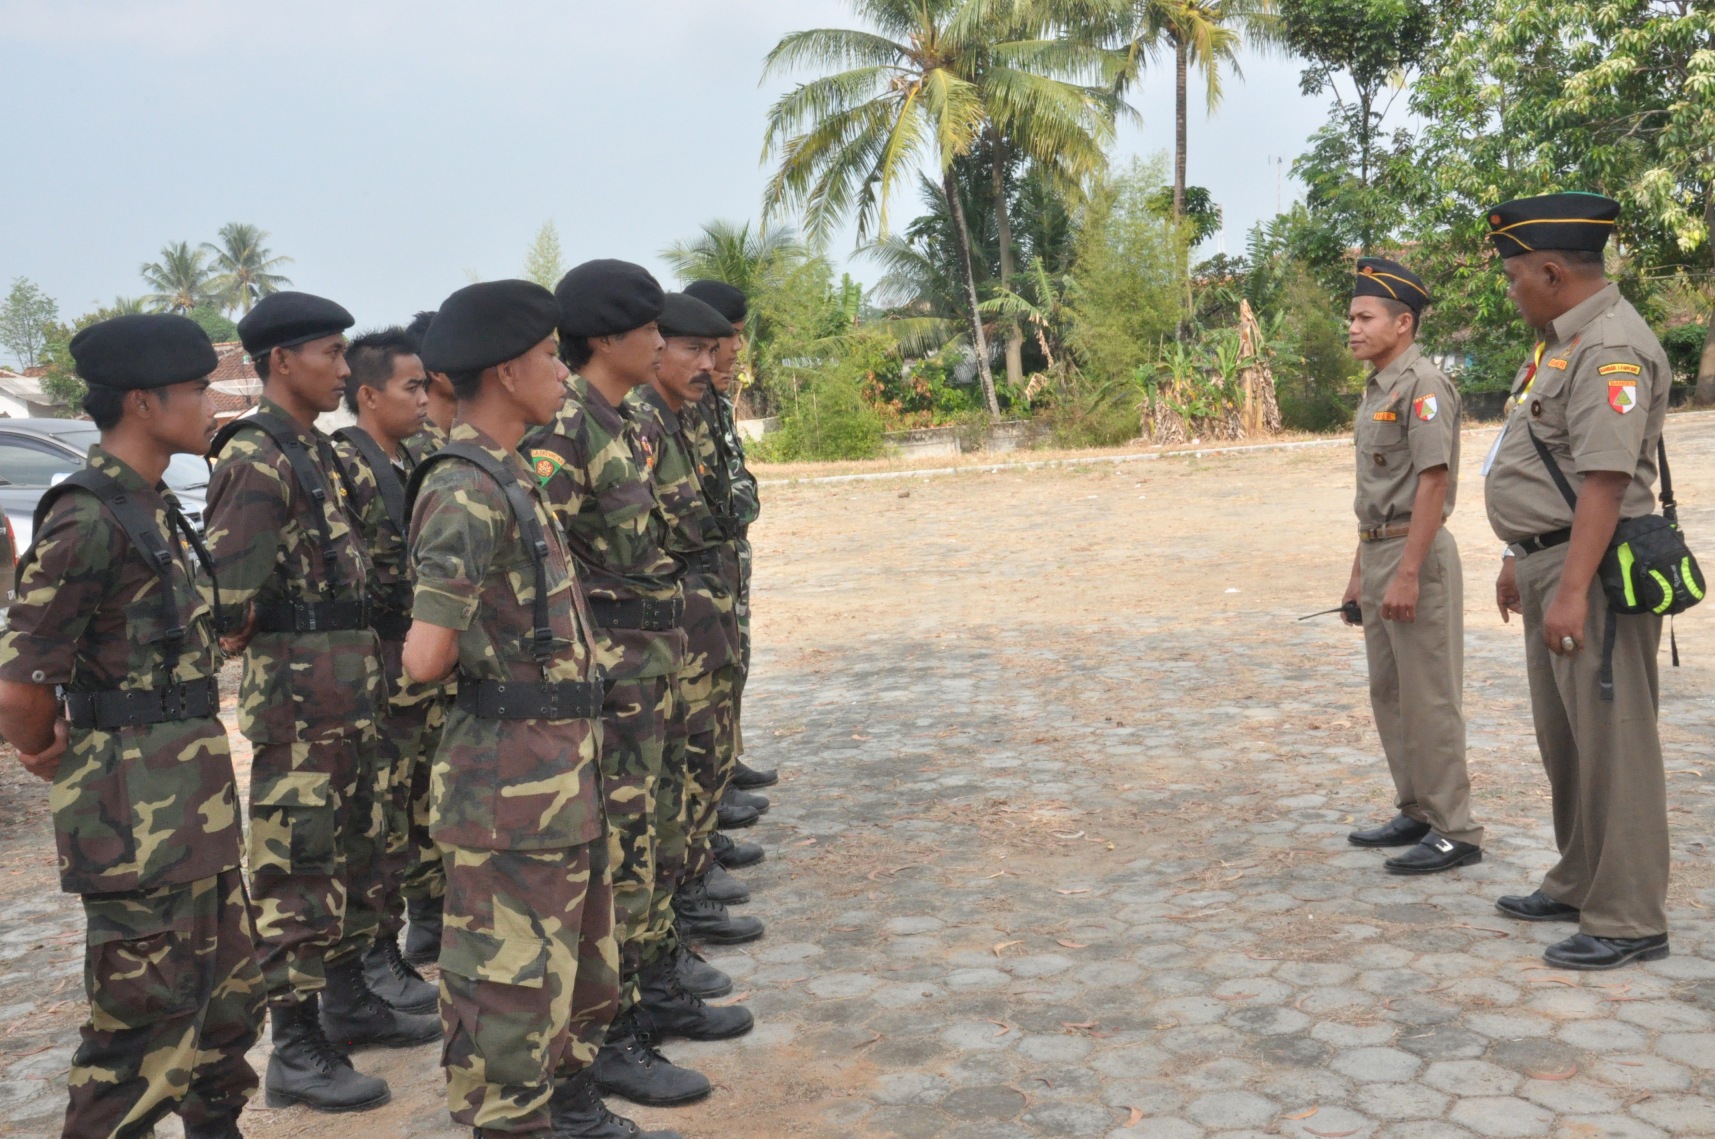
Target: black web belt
(104,711)
(1543,542)
(650,616)
(703,561)
(312,616)
(524,700)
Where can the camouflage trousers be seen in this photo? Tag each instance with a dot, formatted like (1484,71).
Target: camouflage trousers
(175,1001)
(658,935)
(316,832)
(741,609)
(410,865)
(529,978)
(634,733)
(710,758)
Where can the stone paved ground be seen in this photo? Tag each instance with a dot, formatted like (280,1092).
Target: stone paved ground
(1059,844)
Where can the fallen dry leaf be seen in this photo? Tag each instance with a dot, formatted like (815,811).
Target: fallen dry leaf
(1084,890)
(1081,1024)
(1004,1027)
(1566,1075)
(1306,1114)
(1000,945)
(1136,1117)
(1331,1134)
(1234,996)
(1071,944)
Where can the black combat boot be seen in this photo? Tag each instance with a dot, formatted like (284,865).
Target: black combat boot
(305,1068)
(729,817)
(226,1127)
(579,1113)
(423,938)
(698,976)
(395,982)
(734,855)
(738,797)
(628,1065)
(748,778)
(354,1016)
(701,918)
(724,888)
(674,1011)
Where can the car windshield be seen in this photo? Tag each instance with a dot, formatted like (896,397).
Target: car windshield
(184,472)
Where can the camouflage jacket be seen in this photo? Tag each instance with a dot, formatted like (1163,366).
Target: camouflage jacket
(693,529)
(594,474)
(267,548)
(428,439)
(385,544)
(726,447)
(140,806)
(501,784)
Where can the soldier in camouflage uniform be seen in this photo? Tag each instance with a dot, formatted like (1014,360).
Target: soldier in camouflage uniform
(292,575)
(386,391)
(593,470)
(529,965)
(665,412)
(145,810)
(429,438)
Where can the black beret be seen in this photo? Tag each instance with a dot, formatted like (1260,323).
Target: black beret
(285,320)
(487,324)
(607,298)
(687,316)
(1571,221)
(143,350)
(1379,277)
(725,299)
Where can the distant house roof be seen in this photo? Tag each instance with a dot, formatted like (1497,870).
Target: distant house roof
(236,388)
(25,386)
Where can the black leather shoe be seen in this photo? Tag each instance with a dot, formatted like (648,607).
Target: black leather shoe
(739,797)
(1401,831)
(226,1127)
(698,976)
(1536,906)
(670,1010)
(578,1113)
(724,888)
(729,817)
(423,938)
(628,1065)
(353,1016)
(749,778)
(701,918)
(395,982)
(734,855)
(1582,951)
(1433,855)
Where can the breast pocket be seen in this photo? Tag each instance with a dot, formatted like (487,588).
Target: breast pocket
(1381,442)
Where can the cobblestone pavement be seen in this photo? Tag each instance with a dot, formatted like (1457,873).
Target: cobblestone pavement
(1059,846)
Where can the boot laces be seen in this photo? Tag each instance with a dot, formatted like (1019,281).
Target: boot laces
(396,963)
(327,1055)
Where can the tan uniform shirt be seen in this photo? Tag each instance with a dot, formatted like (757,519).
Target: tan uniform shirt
(1598,401)
(1407,423)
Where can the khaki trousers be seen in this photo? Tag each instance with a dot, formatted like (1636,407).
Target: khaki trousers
(1603,761)
(1417,680)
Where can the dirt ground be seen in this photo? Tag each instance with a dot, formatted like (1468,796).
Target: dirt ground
(1058,847)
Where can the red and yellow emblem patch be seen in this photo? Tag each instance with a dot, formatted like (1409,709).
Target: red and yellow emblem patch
(1622,395)
(1426,408)
(547,465)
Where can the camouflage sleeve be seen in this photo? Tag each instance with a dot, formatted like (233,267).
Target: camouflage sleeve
(562,468)
(359,493)
(248,504)
(63,579)
(459,520)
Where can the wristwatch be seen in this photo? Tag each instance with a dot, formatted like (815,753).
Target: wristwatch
(1508,552)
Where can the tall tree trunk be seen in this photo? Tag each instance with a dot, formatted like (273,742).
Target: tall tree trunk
(1181,79)
(1003,215)
(1704,394)
(979,342)
(1365,101)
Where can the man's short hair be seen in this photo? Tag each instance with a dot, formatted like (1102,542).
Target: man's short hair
(1588,260)
(466,384)
(106,406)
(576,352)
(371,358)
(1397,308)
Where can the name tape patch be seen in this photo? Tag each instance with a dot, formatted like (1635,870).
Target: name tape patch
(1620,370)
(1387,417)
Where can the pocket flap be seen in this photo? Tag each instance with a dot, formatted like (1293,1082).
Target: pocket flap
(292,789)
(521,961)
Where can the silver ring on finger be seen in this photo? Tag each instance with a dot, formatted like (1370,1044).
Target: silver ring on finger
(1567,645)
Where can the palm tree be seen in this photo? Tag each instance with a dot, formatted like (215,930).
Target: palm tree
(181,279)
(244,267)
(1202,34)
(726,251)
(933,78)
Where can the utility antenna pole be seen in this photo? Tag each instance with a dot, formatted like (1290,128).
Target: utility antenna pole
(1279,165)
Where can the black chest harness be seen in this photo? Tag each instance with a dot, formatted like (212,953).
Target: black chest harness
(519,700)
(392,607)
(119,708)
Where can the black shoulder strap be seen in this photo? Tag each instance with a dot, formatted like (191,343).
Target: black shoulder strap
(138,522)
(1669,508)
(523,512)
(305,469)
(386,478)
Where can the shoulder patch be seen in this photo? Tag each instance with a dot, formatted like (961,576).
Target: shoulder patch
(547,465)
(1622,395)
(1620,369)
(1426,408)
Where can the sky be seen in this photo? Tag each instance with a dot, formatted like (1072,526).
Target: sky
(397,149)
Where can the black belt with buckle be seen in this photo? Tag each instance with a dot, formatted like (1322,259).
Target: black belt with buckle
(117,708)
(312,616)
(650,616)
(703,562)
(1542,542)
(524,700)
